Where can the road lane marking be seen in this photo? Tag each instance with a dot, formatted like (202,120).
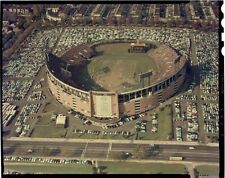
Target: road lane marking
(83,153)
(110,147)
(190,152)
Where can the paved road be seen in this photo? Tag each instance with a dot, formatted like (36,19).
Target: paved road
(94,150)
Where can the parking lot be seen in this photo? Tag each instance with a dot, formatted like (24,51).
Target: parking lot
(24,84)
(201,123)
(75,36)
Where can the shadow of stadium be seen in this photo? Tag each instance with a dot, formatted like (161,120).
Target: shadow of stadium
(85,80)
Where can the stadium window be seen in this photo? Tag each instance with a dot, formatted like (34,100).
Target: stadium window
(144,92)
(149,89)
(171,80)
(138,94)
(155,88)
(76,93)
(168,82)
(132,96)
(160,86)
(121,98)
(126,97)
(164,85)
(179,74)
(174,78)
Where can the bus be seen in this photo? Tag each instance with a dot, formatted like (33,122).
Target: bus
(175,158)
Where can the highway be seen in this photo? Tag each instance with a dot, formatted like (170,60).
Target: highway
(92,150)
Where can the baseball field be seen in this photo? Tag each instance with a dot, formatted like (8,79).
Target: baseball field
(114,69)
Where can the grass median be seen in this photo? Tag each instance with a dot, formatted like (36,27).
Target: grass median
(52,169)
(48,132)
(208,170)
(140,168)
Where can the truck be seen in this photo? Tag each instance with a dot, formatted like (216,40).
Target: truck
(175,158)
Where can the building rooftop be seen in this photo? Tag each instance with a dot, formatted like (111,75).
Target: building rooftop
(61,120)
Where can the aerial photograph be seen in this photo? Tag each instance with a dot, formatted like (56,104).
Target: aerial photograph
(111,88)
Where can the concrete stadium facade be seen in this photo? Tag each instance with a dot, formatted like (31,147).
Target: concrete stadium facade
(112,105)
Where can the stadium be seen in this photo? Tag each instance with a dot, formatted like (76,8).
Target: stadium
(112,79)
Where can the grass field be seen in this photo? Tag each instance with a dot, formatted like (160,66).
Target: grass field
(45,119)
(141,168)
(208,170)
(115,69)
(48,132)
(52,169)
(50,107)
(164,127)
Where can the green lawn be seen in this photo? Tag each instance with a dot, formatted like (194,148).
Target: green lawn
(114,137)
(85,136)
(208,170)
(141,168)
(164,127)
(45,119)
(53,169)
(48,132)
(49,107)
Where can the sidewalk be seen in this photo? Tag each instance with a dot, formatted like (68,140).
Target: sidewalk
(110,141)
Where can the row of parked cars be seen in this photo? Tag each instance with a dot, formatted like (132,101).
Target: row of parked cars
(80,116)
(141,126)
(209,98)
(177,109)
(154,123)
(188,97)
(96,132)
(211,117)
(21,128)
(30,57)
(46,160)
(15,90)
(79,131)
(179,133)
(124,120)
(36,95)
(86,121)
(37,86)
(125,133)
(192,121)
(71,36)
(25,63)
(192,118)
(207,54)
(208,61)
